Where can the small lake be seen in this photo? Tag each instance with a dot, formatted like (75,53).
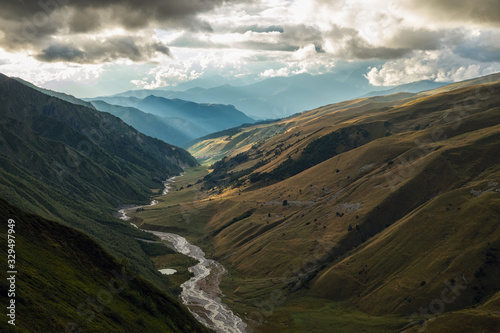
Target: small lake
(167,271)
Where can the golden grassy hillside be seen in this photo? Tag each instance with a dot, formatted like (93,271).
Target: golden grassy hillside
(376,214)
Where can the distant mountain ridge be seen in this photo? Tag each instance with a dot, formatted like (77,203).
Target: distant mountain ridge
(175,131)
(173,120)
(245,136)
(279,97)
(212,117)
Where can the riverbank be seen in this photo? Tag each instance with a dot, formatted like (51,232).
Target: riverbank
(201,293)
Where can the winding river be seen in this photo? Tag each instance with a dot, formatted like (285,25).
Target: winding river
(200,293)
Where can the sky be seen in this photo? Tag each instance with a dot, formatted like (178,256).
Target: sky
(99,47)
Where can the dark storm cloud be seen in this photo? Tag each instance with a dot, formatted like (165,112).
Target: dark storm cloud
(350,45)
(485,54)
(295,37)
(481,12)
(286,38)
(483,48)
(158,10)
(357,49)
(62,53)
(32,24)
(85,20)
(420,39)
(91,51)
(162,48)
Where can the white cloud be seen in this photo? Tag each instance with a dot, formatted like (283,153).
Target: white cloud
(305,53)
(273,73)
(29,69)
(440,66)
(166,76)
(189,64)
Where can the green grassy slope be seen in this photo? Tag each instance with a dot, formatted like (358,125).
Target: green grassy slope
(75,165)
(66,282)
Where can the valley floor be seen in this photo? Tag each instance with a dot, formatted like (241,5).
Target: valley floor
(265,304)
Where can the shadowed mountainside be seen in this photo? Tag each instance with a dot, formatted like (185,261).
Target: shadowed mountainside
(66,282)
(75,165)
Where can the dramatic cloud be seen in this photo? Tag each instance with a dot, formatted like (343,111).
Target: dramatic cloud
(420,39)
(62,53)
(35,24)
(273,38)
(463,11)
(173,41)
(482,47)
(431,65)
(92,51)
(127,13)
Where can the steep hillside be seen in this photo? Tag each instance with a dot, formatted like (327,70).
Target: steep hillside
(237,140)
(467,83)
(66,282)
(234,141)
(62,96)
(76,165)
(385,205)
(414,87)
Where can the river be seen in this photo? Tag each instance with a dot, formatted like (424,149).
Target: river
(200,294)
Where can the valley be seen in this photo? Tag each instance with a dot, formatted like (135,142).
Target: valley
(200,293)
(263,304)
(355,215)
(64,169)
(377,214)
(267,166)
(67,282)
